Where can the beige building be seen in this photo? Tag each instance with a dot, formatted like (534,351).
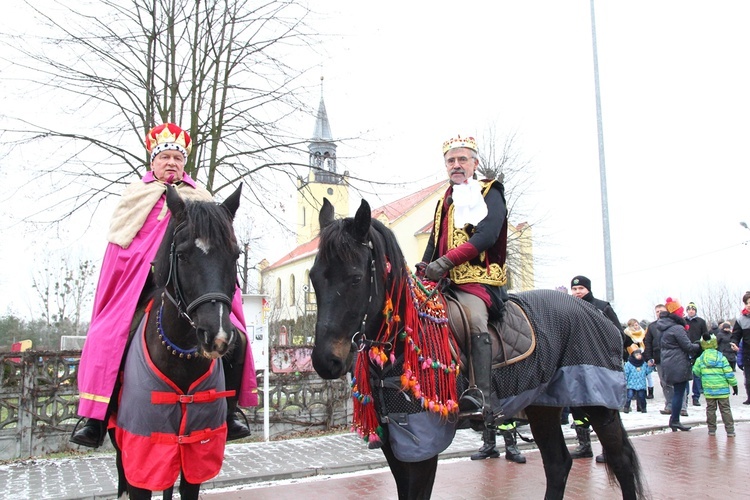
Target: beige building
(287,281)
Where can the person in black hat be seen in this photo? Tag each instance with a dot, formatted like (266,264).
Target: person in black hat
(580,286)
(696,328)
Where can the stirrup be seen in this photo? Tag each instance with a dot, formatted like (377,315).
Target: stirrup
(475,407)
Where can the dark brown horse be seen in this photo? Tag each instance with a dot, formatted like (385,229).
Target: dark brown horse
(365,300)
(171,416)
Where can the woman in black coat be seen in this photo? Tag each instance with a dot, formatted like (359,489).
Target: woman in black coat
(676,351)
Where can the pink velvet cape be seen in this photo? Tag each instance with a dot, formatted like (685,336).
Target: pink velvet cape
(123,274)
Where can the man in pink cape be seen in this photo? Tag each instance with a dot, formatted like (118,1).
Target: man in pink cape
(136,231)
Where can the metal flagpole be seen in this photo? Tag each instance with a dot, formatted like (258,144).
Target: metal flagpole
(602,169)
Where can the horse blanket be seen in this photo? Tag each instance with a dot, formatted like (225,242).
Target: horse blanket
(162,430)
(577,360)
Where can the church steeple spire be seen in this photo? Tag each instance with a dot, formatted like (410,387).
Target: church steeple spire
(322,127)
(322,147)
(324,180)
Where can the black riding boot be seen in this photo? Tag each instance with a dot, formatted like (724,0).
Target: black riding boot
(233,365)
(475,402)
(584,443)
(511,450)
(91,434)
(488,449)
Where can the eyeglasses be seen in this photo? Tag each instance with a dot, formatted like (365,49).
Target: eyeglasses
(462,160)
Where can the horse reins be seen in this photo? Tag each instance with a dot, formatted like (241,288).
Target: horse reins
(363,342)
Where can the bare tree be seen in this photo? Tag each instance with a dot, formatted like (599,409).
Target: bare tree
(122,66)
(717,303)
(63,289)
(501,158)
(248,239)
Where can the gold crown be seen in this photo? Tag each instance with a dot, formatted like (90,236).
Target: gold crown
(460,142)
(166,134)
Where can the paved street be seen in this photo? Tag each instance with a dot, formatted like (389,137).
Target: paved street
(292,462)
(680,465)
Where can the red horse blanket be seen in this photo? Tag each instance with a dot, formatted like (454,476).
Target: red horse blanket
(162,430)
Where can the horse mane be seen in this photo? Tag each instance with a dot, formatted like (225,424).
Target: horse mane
(213,222)
(336,239)
(204,219)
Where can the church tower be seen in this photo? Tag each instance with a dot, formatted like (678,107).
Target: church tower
(323,180)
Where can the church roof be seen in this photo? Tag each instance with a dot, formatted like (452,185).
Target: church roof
(399,208)
(392,211)
(301,252)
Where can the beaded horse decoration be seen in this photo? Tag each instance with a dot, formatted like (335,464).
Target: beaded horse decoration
(422,336)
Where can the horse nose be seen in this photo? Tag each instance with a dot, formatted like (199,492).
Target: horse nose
(214,347)
(220,345)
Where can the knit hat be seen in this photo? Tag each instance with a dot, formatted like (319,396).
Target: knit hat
(691,305)
(674,306)
(581,281)
(711,343)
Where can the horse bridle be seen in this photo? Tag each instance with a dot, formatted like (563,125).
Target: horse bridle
(359,345)
(180,300)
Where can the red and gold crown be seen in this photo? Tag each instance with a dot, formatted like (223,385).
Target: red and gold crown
(460,142)
(167,136)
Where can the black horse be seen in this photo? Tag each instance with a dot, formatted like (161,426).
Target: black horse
(364,294)
(173,378)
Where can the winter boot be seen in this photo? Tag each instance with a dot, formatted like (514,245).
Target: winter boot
(91,434)
(650,393)
(511,450)
(584,444)
(488,449)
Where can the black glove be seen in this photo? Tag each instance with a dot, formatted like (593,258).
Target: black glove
(735,391)
(420,267)
(706,337)
(438,268)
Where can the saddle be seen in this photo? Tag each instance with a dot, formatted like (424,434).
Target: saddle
(514,341)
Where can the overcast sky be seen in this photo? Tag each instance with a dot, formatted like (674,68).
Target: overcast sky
(674,79)
(674,82)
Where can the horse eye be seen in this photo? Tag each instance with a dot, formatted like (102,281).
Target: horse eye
(181,256)
(356,280)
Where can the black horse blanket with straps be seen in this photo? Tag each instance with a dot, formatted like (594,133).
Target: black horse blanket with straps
(576,360)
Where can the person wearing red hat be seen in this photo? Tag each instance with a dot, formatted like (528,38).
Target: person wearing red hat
(676,353)
(135,233)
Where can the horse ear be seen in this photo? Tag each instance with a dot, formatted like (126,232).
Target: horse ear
(362,221)
(175,203)
(325,216)
(232,203)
